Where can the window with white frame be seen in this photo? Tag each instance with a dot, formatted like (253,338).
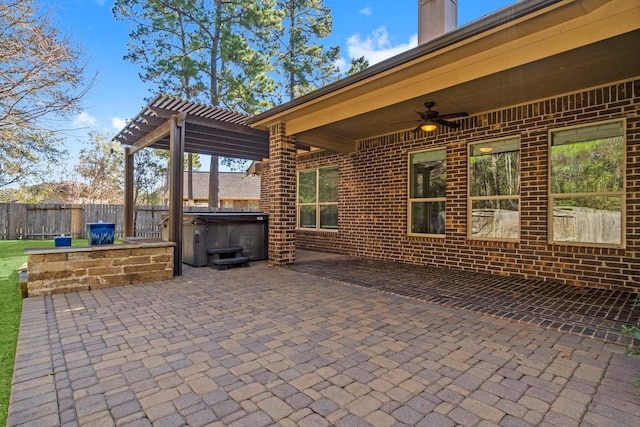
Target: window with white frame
(427,192)
(494,190)
(587,184)
(318,199)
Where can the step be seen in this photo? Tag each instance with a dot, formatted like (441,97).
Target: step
(224,263)
(229,250)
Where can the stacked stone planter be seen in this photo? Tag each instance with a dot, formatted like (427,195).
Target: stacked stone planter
(75,268)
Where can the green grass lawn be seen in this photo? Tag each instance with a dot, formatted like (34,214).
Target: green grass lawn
(11,258)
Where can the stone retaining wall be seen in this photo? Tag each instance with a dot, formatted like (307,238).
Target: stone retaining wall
(81,268)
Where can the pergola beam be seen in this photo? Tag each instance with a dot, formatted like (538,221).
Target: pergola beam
(152,137)
(223,147)
(241,129)
(213,130)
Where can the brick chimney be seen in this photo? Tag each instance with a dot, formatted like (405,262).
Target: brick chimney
(436,17)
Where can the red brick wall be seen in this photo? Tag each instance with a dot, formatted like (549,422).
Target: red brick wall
(264,205)
(373,195)
(282,203)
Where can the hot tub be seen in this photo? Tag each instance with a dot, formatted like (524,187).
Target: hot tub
(208,230)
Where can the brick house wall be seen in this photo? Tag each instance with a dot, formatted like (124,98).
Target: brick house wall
(264,205)
(373,195)
(282,202)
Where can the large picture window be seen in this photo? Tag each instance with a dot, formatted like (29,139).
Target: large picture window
(427,192)
(318,199)
(494,190)
(587,185)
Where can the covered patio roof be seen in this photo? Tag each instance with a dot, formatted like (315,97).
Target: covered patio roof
(530,50)
(208,130)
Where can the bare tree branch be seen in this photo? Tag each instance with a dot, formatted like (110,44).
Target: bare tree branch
(41,77)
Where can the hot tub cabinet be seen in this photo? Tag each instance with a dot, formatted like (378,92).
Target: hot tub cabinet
(214,230)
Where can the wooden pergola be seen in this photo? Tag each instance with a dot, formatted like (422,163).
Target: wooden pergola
(185,127)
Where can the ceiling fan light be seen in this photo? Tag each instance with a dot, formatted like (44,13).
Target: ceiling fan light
(429,126)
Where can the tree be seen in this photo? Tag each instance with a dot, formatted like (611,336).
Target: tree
(207,51)
(49,192)
(101,166)
(162,44)
(496,174)
(194,162)
(36,193)
(41,77)
(300,57)
(582,168)
(150,167)
(28,155)
(357,65)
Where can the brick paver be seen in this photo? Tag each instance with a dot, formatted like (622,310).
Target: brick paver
(263,346)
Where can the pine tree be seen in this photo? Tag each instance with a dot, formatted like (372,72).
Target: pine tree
(300,57)
(206,51)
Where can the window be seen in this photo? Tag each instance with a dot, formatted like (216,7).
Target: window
(427,191)
(586,184)
(494,190)
(318,199)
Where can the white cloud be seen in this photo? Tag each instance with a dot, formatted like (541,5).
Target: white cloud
(99,2)
(366,11)
(377,46)
(118,123)
(84,120)
(342,65)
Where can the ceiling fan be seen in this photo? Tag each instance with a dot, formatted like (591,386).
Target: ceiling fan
(430,119)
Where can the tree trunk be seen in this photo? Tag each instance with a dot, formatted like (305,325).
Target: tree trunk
(292,74)
(190,177)
(213,182)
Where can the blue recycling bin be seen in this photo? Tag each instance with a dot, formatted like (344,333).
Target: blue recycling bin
(62,241)
(101,233)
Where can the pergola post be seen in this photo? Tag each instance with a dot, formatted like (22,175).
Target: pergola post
(176,148)
(128,193)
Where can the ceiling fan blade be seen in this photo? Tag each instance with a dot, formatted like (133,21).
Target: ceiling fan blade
(453,115)
(446,123)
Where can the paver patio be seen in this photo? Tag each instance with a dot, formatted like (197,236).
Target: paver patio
(267,346)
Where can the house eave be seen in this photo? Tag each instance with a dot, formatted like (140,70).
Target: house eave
(531,50)
(499,18)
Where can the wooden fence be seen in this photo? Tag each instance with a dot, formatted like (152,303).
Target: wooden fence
(20,221)
(45,221)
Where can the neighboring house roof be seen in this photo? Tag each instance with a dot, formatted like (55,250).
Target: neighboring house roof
(231,185)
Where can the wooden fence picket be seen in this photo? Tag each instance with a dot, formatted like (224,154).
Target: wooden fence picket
(20,221)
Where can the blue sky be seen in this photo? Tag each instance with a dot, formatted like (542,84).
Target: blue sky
(376,29)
